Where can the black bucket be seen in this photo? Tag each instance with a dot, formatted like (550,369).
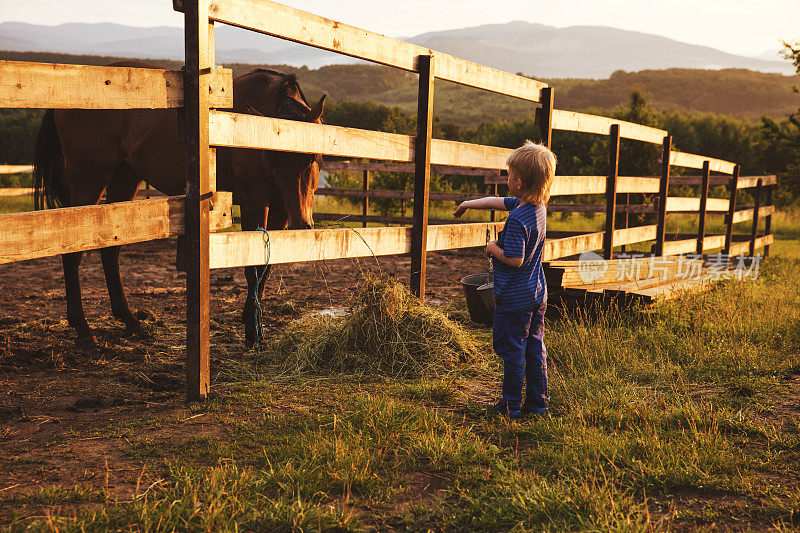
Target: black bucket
(478,310)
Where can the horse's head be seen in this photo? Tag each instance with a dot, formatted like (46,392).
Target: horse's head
(295,175)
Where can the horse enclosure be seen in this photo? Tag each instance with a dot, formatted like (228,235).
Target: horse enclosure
(204,90)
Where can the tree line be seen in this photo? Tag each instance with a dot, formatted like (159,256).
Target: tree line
(767,146)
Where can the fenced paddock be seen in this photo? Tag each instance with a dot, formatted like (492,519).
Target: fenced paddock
(203,91)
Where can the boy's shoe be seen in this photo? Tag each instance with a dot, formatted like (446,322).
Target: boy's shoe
(502,409)
(530,409)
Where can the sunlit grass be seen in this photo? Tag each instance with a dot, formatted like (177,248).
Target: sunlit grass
(16,204)
(683,398)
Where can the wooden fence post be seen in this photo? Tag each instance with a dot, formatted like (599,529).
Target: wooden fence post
(701,224)
(734,185)
(422,174)
(611,191)
(754,230)
(546,117)
(663,194)
(365,200)
(199,62)
(768,218)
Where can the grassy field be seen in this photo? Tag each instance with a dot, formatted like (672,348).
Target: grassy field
(681,417)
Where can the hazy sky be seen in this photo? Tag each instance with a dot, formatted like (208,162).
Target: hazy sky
(738,26)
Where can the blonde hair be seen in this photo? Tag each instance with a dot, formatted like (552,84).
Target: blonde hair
(535,165)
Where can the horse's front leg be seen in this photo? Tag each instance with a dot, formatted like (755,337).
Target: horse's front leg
(122,188)
(276,219)
(75,315)
(116,292)
(254,215)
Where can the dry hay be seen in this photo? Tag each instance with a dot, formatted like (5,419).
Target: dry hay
(386,331)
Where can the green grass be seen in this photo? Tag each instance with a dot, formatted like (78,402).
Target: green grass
(16,204)
(785,222)
(681,417)
(671,419)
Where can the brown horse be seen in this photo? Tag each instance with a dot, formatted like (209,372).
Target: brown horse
(81,153)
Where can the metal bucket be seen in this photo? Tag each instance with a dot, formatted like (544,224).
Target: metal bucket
(486,293)
(474,291)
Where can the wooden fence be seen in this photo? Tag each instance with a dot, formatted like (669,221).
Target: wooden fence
(206,90)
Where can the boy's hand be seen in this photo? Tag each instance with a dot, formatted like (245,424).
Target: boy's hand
(492,249)
(461,209)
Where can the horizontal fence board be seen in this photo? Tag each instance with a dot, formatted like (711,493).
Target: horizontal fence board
(379,219)
(15,191)
(743,247)
(568,246)
(52,85)
(382,193)
(458,197)
(698,180)
(473,155)
(685,246)
(636,184)
(72,229)
(356,166)
(268,133)
(453,236)
(747,182)
(15,169)
(369,193)
(569,185)
(748,214)
(634,235)
(691,205)
(556,208)
(306,28)
(713,241)
(562,186)
(27,191)
(248,248)
(582,122)
(682,159)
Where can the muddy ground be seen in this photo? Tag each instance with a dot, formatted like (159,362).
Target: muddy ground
(65,411)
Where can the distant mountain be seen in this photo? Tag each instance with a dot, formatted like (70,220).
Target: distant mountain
(582,51)
(163,42)
(770,55)
(534,49)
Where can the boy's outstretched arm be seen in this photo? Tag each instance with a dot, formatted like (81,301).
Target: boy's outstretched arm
(490,202)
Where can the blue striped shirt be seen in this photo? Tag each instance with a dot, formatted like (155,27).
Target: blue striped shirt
(523,288)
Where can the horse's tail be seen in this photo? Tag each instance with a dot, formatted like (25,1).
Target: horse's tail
(51,188)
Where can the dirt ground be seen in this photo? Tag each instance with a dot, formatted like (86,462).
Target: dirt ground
(64,411)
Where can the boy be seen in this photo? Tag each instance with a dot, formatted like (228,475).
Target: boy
(520,290)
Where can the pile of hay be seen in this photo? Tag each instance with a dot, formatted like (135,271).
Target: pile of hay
(387,331)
